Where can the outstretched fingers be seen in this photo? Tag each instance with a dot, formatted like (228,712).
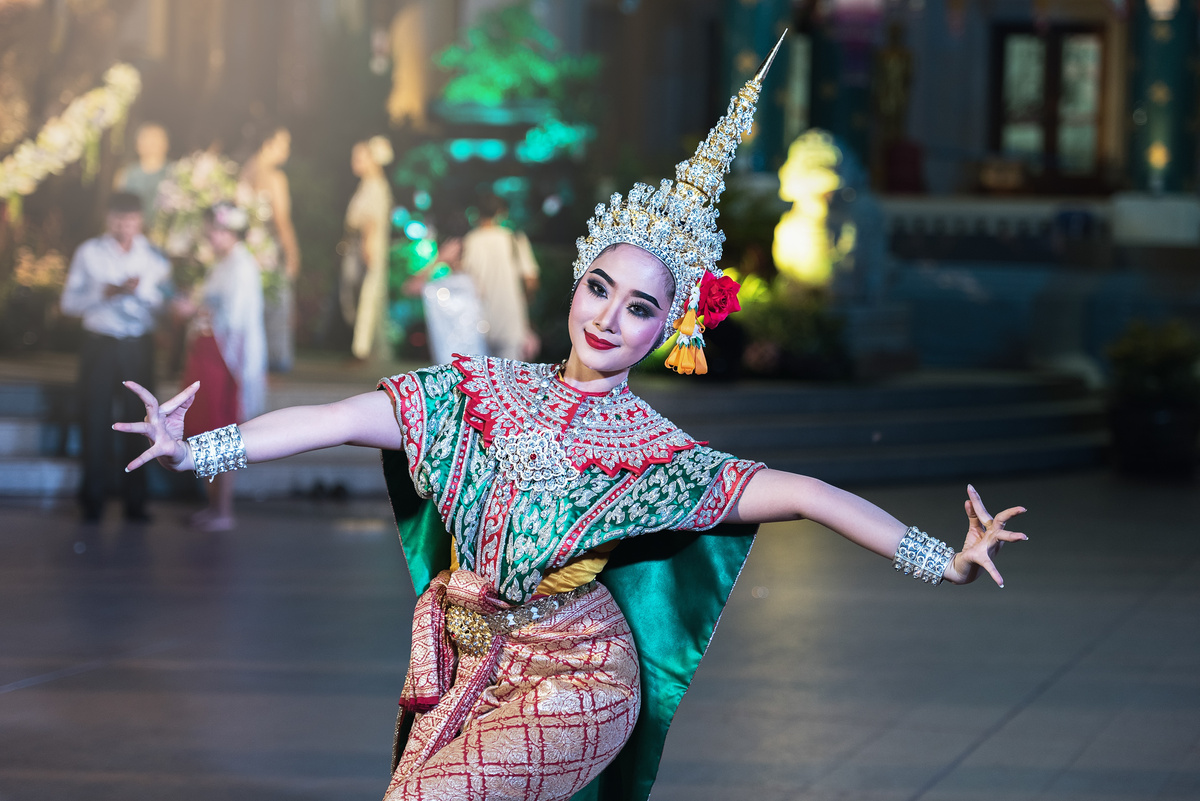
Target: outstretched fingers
(980,511)
(153,452)
(985,561)
(1009,514)
(183,399)
(146,395)
(134,428)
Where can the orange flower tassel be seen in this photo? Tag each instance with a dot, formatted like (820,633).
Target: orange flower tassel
(687,357)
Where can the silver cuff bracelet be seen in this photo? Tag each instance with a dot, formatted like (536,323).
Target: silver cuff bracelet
(922,556)
(217,451)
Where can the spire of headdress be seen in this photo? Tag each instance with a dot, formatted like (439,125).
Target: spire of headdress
(706,170)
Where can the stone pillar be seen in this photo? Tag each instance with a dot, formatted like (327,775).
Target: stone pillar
(751,29)
(1162,54)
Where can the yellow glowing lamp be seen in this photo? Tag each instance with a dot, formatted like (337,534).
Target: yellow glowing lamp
(802,248)
(1158,156)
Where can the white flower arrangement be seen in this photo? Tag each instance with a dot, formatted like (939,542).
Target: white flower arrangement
(72,135)
(196,183)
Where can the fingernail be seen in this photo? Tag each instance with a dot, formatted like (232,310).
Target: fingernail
(126,469)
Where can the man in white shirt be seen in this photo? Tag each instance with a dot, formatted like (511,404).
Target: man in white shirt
(116,285)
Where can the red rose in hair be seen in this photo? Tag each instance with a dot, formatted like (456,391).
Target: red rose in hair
(718,298)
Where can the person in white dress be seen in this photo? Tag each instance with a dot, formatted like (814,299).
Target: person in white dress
(364,285)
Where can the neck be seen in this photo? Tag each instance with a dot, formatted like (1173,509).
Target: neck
(583,378)
(152,164)
(124,244)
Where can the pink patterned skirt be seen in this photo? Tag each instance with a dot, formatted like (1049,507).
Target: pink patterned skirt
(537,717)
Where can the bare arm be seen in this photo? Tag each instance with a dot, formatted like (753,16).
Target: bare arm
(774,496)
(365,420)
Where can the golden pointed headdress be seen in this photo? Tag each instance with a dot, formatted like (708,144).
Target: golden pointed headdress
(677,222)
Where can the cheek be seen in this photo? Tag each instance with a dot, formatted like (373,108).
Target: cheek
(643,335)
(582,305)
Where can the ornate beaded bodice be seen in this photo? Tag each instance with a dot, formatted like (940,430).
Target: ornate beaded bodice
(529,472)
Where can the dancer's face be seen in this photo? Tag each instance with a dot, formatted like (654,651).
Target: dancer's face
(619,309)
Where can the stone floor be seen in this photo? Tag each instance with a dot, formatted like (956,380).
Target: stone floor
(154,662)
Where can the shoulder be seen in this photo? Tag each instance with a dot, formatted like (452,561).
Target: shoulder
(150,254)
(629,434)
(90,247)
(436,381)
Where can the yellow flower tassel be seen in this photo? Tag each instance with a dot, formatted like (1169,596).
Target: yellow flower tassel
(687,357)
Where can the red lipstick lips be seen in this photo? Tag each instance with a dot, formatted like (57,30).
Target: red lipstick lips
(598,343)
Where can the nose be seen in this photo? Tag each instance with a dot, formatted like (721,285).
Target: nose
(606,319)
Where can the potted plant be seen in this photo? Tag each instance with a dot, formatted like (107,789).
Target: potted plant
(1154,411)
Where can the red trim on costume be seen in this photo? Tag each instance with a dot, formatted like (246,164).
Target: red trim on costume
(721,495)
(408,403)
(623,433)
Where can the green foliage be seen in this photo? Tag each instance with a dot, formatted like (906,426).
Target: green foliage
(509,57)
(422,167)
(1156,363)
(796,320)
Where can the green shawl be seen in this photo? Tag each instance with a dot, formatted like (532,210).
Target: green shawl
(671,586)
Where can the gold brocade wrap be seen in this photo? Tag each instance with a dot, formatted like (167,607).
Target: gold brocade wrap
(537,715)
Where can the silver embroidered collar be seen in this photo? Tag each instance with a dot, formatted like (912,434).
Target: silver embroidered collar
(534,457)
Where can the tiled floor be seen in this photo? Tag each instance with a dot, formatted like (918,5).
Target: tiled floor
(155,662)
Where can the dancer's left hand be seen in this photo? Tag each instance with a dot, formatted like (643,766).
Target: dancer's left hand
(986,535)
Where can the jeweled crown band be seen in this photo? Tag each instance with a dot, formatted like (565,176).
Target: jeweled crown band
(217,451)
(922,556)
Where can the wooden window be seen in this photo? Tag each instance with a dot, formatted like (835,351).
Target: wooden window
(1047,89)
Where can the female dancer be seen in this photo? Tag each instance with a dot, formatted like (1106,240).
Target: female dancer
(571,547)
(227,350)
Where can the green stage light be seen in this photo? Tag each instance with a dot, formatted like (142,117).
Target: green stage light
(510,185)
(486,149)
(491,149)
(422,200)
(415,230)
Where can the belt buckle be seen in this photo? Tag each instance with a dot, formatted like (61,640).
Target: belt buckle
(469,629)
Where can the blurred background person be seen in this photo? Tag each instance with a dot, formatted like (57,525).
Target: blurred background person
(143,176)
(262,176)
(453,315)
(501,265)
(115,284)
(227,348)
(364,280)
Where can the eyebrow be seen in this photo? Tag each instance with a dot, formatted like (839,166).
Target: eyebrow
(637,293)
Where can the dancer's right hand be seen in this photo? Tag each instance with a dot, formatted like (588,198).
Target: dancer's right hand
(163,426)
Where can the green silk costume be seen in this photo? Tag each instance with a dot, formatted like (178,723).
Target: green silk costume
(636,473)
